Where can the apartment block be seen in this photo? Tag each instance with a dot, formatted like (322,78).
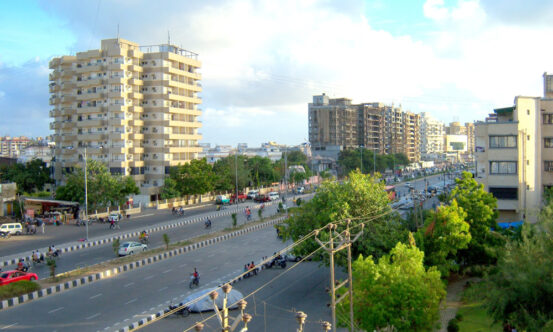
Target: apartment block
(432,132)
(336,124)
(132,107)
(12,147)
(514,154)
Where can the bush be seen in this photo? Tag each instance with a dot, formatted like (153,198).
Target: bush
(453,325)
(234,220)
(166,241)
(115,245)
(18,288)
(459,317)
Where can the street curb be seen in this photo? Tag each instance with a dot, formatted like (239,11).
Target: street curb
(94,243)
(4,304)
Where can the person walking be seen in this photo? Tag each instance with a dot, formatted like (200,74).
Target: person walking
(42,225)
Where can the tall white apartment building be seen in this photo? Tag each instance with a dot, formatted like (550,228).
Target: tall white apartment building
(514,154)
(432,133)
(134,108)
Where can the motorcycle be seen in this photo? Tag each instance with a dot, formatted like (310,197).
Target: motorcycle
(5,235)
(278,261)
(181,312)
(145,240)
(23,268)
(207,224)
(194,281)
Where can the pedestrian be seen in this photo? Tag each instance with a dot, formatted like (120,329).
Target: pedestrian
(42,225)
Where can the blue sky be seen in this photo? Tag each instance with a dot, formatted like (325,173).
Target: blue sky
(264,60)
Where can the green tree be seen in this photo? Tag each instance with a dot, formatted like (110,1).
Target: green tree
(29,177)
(169,189)
(519,289)
(480,208)
(397,291)
(262,171)
(103,188)
(166,240)
(194,178)
(296,157)
(226,169)
(444,233)
(362,199)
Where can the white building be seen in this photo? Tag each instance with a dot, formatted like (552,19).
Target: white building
(432,133)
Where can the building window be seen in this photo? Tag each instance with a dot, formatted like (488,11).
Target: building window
(504,193)
(501,142)
(547,118)
(548,142)
(503,167)
(548,166)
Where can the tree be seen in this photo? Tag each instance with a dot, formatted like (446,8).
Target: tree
(194,178)
(519,290)
(397,291)
(103,188)
(169,189)
(226,169)
(360,198)
(262,171)
(480,208)
(29,177)
(296,157)
(351,160)
(166,240)
(444,233)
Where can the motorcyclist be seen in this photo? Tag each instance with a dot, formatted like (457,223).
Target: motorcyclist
(196,276)
(21,266)
(208,223)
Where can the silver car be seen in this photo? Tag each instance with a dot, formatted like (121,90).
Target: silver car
(129,248)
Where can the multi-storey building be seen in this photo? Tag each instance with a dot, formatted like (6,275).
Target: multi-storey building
(432,137)
(514,154)
(134,108)
(11,147)
(457,134)
(336,124)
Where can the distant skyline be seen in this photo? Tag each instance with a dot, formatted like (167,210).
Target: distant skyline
(262,61)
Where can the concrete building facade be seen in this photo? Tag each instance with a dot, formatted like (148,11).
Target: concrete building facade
(514,154)
(12,147)
(338,124)
(432,132)
(134,108)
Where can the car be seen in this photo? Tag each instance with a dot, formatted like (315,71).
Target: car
(262,198)
(300,190)
(7,277)
(222,200)
(408,184)
(12,228)
(131,247)
(252,194)
(241,198)
(273,196)
(114,217)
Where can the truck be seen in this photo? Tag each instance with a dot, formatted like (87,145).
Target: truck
(242,197)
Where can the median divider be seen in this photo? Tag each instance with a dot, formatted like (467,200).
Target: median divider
(132,265)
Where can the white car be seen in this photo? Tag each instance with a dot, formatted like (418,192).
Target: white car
(252,194)
(273,196)
(129,248)
(115,217)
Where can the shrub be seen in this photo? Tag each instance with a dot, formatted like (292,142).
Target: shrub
(459,317)
(18,288)
(166,241)
(453,325)
(52,264)
(234,220)
(115,245)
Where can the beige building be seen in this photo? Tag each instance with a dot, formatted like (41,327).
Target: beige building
(514,152)
(432,132)
(12,147)
(455,130)
(338,124)
(134,108)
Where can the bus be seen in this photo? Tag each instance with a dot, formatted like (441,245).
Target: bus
(391,190)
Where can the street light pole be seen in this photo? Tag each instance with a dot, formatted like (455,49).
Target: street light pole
(85,194)
(236,174)
(361,149)
(374,161)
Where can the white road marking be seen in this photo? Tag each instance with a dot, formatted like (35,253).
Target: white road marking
(144,215)
(211,255)
(129,284)
(52,311)
(148,277)
(183,265)
(8,326)
(167,271)
(214,268)
(90,317)
(95,296)
(163,288)
(131,301)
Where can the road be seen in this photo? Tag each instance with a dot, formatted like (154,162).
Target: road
(113,303)
(93,255)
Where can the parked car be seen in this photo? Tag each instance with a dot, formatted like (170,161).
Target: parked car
(222,199)
(129,248)
(262,198)
(252,194)
(241,198)
(114,217)
(300,190)
(273,196)
(12,228)
(8,277)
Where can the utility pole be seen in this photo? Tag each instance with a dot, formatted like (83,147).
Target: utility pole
(85,194)
(361,149)
(286,170)
(374,162)
(236,174)
(344,243)
(223,316)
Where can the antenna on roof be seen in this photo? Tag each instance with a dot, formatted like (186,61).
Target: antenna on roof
(168,38)
(117,31)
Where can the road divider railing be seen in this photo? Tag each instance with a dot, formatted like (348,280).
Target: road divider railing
(4,304)
(93,243)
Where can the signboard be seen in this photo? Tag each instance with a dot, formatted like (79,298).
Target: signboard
(30,213)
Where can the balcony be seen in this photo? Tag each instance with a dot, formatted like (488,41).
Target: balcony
(136,81)
(67,124)
(116,66)
(116,80)
(56,125)
(117,122)
(54,100)
(136,95)
(67,98)
(54,87)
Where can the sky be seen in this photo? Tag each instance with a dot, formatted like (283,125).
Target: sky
(262,61)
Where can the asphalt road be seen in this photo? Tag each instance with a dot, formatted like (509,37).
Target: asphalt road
(93,255)
(113,303)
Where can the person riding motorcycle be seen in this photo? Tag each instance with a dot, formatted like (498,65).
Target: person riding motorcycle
(143,237)
(208,223)
(195,276)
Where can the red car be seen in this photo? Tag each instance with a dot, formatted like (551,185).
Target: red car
(8,277)
(262,198)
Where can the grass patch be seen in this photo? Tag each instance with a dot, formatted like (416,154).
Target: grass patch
(18,288)
(475,317)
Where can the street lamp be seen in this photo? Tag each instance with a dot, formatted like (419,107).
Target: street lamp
(361,149)
(236,174)
(85,194)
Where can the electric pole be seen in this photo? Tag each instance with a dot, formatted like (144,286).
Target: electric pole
(223,316)
(344,243)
